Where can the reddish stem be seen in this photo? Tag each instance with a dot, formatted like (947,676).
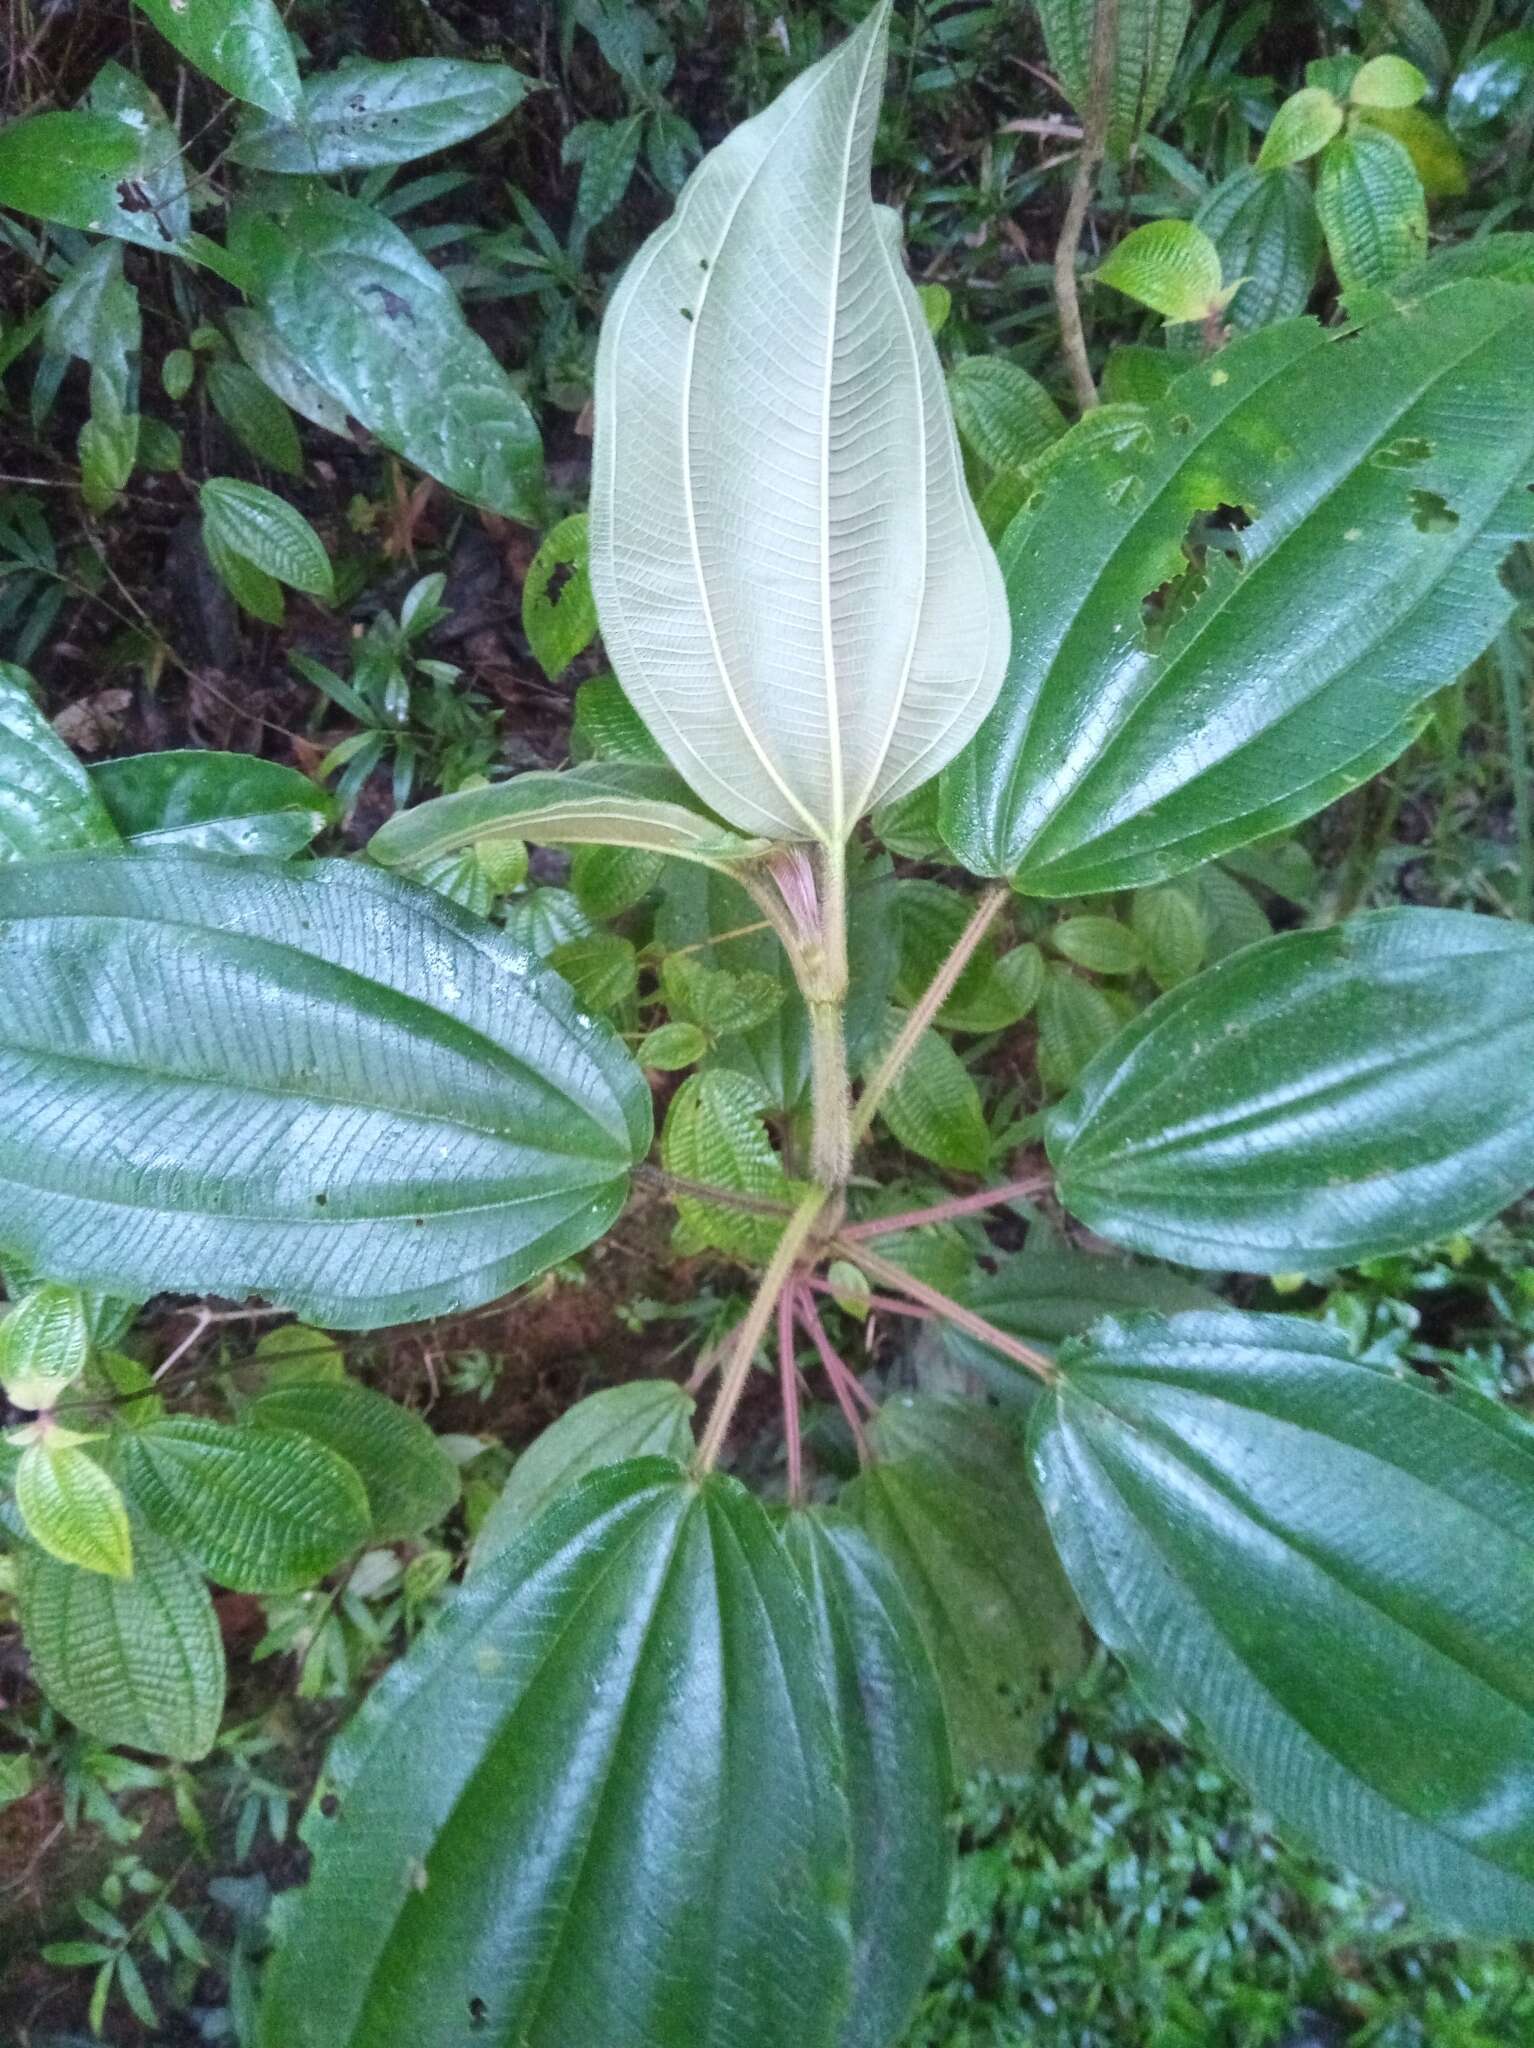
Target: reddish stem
(887,1302)
(1036,1183)
(844,1382)
(789,1380)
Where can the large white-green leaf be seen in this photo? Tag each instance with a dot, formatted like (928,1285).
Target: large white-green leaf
(599,1804)
(367,113)
(135,1661)
(618,803)
(1222,628)
(792,582)
(364,315)
(1329,1570)
(321,1083)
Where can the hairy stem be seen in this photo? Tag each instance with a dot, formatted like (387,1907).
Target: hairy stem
(677,1184)
(844,1381)
(796,1233)
(950,1311)
(960,1205)
(1099,112)
(788,1380)
(892,1065)
(887,1303)
(822,971)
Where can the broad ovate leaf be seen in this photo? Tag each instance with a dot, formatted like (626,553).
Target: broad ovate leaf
(409,1479)
(1223,626)
(321,1083)
(894,1748)
(73,1509)
(599,1801)
(47,804)
(1265,228)
(1317,1098)
(211,802)
(45,1341)
(135,1662)
(792,583)
(367,113)
(261,1510)
(360,311)
(1171,266)
(602,803)
(644,1419)
(96,171)
(241,45)
(1329,1570)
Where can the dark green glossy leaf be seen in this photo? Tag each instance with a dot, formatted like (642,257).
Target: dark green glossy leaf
(1331,1571)
(1279,662)
(599,1801)
(377,328)
(950,1505)
(645,1419)
(894,1749)
(1264,225)
(316,1082)
(47,804)
(239,44)
(211,803)
(261,1510)
(1318,1098)
(367,113)
(137,1662)
(410,1481)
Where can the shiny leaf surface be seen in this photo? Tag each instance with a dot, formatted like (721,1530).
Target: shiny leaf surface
(367,113)
(1239,614)
(240,44)
(598,1801)
(1277,1539)
(320,1083)
(46,801)
(211,802)
(1315,1099)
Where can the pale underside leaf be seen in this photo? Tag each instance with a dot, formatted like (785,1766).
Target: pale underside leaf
(791,580)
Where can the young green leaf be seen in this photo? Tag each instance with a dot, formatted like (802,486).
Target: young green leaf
(45,1340)
(1264,227)
(561,625)
(714,1133)
(933,1108)
(1390,82)
(367,113)
(648,1733)
(643,1419)
(950,1505)
(1148,36)
(894,1747)
(368,319)
(1169,265)
(792,582)
(1372,208)
(47,804)
(1436,158)
(607,880)
(135,1663)
(261,1510)
(74,1509)
(1236,618)
(602,968)
(245,520)
(670,1047)
(1317,1099)
(1304,124)
(211,802)
(239,44)
(1171,929)
(1099,944)
(1005,416)
(321,1083)
(253,411)
(1076,1020)
(603,803)
(1276,1539)
(410,1481)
